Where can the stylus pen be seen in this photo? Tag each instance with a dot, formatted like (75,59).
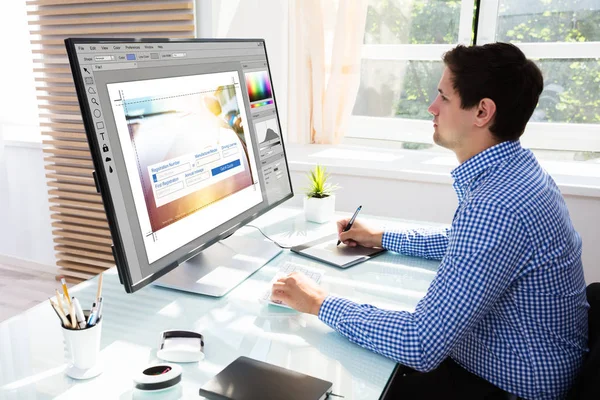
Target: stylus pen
(347,228)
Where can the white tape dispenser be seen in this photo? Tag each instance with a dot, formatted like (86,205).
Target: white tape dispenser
(158,377)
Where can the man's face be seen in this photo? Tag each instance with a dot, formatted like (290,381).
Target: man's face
(451,124)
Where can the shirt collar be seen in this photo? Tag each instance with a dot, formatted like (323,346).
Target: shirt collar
(468,170)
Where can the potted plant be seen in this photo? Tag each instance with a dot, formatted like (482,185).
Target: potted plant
(319,202)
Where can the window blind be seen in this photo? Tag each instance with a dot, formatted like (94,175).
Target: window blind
(81,235)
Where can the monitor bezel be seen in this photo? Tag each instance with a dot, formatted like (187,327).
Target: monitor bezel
(101,179)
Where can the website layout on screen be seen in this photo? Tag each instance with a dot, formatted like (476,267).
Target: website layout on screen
(188,153)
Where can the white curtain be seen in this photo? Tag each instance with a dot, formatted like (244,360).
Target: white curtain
(325,39)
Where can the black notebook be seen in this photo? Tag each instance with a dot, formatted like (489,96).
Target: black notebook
(249,379)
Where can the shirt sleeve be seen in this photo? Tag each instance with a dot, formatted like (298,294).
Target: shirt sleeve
(428,243)
(485,250)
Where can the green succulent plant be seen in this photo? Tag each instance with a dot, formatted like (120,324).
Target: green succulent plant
(318,185)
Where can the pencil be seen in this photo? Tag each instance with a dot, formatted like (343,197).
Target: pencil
(73,318)
(60,313)
(54,308)
(99,292)
(59,300)
(65,291)
(62,316)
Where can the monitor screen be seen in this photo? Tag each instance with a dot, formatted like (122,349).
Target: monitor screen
(186,143)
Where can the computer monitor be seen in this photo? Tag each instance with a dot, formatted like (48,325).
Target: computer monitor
(187,147)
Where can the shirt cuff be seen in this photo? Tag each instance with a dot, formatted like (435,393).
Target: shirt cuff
(332,310)
(391,241)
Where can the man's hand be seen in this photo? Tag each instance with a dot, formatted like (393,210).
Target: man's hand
(359,234)
(299,292)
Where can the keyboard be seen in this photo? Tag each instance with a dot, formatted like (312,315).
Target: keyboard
(286,269)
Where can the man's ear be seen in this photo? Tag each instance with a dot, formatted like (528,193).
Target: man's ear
(486,110)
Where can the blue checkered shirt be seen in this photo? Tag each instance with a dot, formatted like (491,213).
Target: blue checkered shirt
(508,301)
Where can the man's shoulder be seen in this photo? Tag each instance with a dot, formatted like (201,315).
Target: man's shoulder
(514,180)
(519,185)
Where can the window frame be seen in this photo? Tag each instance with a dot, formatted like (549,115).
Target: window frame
(540,135)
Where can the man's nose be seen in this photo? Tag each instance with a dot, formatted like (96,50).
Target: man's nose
(432,109)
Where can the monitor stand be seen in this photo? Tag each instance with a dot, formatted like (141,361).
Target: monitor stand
(221,267)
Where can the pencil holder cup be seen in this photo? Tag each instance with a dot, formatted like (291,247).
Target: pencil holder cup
(83,347)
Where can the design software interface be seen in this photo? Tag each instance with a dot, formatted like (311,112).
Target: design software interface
(188,130)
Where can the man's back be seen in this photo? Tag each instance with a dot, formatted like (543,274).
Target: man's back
(538,327)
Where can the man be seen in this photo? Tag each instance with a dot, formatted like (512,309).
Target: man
(506,312)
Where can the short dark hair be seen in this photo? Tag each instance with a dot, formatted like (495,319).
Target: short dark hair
(501,72)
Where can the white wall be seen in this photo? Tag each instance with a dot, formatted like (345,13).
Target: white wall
(25,231)
(18,109)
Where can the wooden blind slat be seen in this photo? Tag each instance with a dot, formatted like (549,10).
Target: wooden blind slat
(71,276)
(127,19)
(80,221)
(63,2)
(51,61)
(81,268)
(74,188)
(52,70)
(80,228)
(61,116)
(56,89)
(58,107)
(49,79)
(113,30)
(82,236)
(61,42)
(76,203)
(78,211)
(77,162)
(83,244)
(84,252)
(61,52)
(66,143)
(68,170)
(88,261)
(75,195)
(66,135)
(110,9)
(67,152)
(71,179)
(64,99)
(57,125)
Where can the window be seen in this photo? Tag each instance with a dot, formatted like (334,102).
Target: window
(401,66)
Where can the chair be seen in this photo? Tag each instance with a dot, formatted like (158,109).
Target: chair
(587,384)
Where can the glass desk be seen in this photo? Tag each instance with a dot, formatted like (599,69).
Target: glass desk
(33,356)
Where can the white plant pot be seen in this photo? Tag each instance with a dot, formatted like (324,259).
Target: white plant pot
(319,210)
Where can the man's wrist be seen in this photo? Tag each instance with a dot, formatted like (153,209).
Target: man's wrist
(317,306)
(378,239)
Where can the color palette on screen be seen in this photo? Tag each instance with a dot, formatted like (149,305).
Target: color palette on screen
(259,86)
(261,103)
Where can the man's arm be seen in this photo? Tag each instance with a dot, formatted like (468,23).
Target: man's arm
(488,246)
(425,242)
